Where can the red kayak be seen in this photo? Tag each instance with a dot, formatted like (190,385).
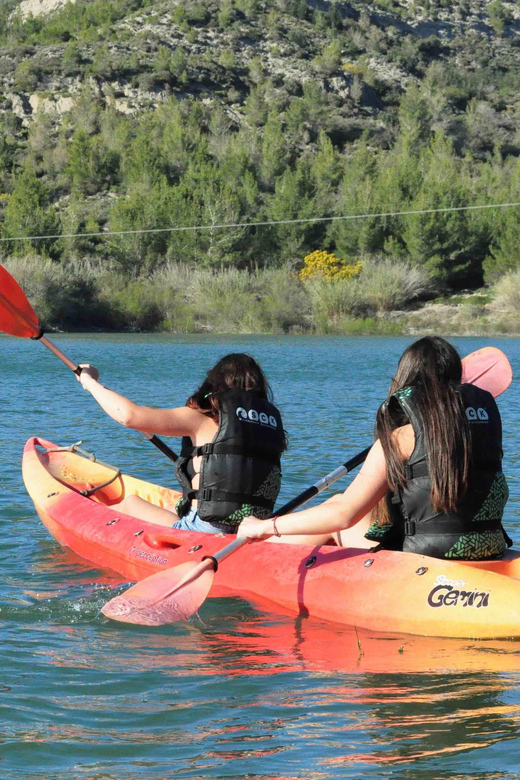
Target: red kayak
(380,591)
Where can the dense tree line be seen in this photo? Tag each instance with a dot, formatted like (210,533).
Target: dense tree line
(271,151)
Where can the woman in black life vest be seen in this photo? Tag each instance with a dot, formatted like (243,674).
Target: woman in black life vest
(233,438)
(432,482)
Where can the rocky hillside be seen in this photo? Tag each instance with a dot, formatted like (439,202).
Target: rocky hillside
(137,53)
(137,113)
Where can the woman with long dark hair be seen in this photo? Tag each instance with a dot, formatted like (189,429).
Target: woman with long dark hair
(432,482)
(233,438)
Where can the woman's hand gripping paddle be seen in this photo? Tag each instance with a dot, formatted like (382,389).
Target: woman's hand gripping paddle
(176,593)
(18,318)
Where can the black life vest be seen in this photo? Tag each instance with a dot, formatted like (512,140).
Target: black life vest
(240,470)
(475,530)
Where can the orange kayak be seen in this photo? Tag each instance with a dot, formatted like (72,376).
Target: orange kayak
(386,591)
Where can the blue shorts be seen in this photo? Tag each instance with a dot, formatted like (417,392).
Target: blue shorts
(192,522)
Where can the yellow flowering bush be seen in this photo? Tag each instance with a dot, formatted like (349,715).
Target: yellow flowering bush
(350,67)
(327,266)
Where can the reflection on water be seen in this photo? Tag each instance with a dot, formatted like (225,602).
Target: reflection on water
(234,685)
(235,692)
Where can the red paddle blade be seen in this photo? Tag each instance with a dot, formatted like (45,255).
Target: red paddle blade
(489,369)
(17,317)
(165,597)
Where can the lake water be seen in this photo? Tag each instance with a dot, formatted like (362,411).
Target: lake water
(235,692)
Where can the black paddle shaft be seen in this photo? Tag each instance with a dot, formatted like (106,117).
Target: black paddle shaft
(294,504)
(164,448)
(322,484)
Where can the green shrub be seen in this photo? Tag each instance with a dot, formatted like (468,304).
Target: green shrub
(27,76)
(335,298)
(134,305)
(226,14)
(382,286)
(389,284)
(232,300)
(329,60)
(506,294)
(498,15)
(63,297)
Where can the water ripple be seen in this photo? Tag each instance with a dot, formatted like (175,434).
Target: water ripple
(234,692)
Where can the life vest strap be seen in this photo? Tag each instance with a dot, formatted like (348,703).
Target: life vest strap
(220,448)
(450,526)
(209,494)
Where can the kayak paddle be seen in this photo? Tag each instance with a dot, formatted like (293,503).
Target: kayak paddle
(18,318)
(166,597)
(176,593)
(489,369)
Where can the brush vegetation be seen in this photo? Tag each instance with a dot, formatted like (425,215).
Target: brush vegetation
(178,298)
(382,297)
(139,115)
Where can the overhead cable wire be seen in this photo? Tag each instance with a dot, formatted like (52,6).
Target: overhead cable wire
(226,225)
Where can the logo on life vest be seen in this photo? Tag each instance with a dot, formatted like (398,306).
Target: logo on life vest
(254,416)
(449,593)
(475,415)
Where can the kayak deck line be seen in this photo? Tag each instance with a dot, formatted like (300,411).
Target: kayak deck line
(380,591)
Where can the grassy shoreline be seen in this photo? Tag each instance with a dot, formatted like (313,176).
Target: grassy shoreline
(388,298)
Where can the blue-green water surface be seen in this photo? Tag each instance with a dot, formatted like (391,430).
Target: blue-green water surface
(236,692)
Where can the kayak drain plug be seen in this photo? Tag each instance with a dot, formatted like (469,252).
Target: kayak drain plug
(195,548)
(368,562)
(310,562)
(422,570)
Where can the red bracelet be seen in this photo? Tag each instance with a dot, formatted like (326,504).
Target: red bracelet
(275,529)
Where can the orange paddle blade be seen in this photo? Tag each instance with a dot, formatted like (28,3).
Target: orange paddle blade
(17,317)
(489,369)
(165,597)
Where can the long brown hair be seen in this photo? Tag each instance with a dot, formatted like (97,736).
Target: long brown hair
(237,371)
(432,368)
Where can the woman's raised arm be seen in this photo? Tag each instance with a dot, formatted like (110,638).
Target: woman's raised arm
(164,422)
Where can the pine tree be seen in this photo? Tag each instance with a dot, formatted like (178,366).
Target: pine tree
(442,241)
(325,173)
(275,154)
(292,200)
(28,213)
(90,165)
